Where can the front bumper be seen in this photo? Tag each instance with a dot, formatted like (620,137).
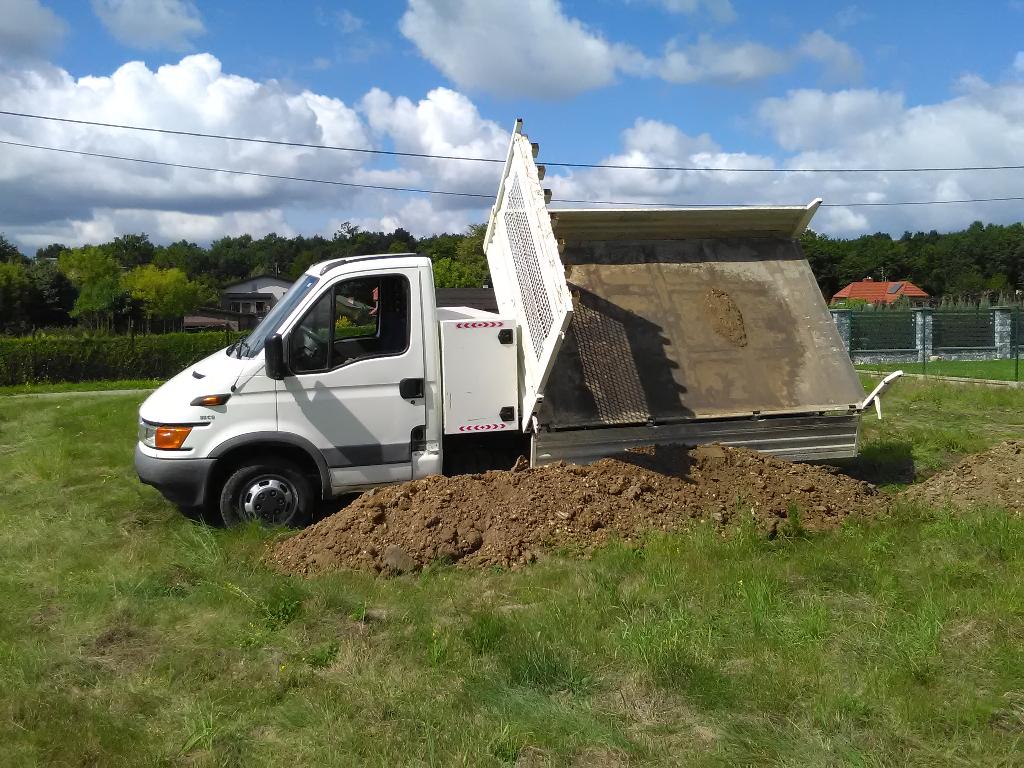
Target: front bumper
(181,481)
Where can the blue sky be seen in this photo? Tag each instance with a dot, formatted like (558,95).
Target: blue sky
(688,82)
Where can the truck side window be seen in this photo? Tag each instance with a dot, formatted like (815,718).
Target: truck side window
(310,340)
(371,318)
(361,318)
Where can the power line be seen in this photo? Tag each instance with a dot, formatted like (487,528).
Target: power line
(277,176)
(467,158)
(479,195)
(274,142)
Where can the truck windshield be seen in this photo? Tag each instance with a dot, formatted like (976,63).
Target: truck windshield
(251,345)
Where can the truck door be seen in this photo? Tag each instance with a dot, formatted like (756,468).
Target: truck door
(356,389)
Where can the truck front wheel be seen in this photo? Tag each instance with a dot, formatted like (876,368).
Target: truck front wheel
(272,492)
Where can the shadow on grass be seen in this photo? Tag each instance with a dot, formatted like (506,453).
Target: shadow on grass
(885,462)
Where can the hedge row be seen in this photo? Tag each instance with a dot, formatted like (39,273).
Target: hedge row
(55,358)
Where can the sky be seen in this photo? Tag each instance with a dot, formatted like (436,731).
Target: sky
(734,84)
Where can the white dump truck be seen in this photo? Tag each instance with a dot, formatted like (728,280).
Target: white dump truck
(615,329)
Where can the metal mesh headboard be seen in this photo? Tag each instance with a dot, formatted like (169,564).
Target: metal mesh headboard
(526,271)
(533,292)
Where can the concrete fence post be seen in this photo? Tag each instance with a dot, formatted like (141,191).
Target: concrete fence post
(841,317)
(1003,331)
(923,322)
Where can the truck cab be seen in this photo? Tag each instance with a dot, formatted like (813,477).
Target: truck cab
(337,390)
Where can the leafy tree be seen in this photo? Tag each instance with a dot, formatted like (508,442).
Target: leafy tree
(50,252)
(51,295)
(166,294)
(132,250)
(9,252)
(192,259)
(97,276)
(14,287)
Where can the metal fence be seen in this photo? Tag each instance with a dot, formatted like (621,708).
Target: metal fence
(982,343)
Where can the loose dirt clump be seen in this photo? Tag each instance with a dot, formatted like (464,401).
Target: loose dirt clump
(725,316)
(992,478)
(508,518)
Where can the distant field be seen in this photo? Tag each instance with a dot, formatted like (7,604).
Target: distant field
(133,636)
(998,370)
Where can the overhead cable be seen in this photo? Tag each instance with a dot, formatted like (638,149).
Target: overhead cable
(468,158)
(479,195)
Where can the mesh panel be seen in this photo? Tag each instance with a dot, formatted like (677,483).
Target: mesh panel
(536,303)
(882,330)
(959,330)
(609,372)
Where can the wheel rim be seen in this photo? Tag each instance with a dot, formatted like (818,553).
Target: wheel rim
(269,499)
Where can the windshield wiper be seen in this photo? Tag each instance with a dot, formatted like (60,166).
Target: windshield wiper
(243,348)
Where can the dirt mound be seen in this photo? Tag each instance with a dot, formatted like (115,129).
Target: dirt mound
(994,478)
(506,518)
(725,316)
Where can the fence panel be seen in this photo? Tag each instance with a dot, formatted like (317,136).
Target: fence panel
(971,330)
(882,331)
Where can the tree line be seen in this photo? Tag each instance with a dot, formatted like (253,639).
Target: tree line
(979,262)
(132,282)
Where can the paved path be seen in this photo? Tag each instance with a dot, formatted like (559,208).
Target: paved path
(75,393)
(953,379)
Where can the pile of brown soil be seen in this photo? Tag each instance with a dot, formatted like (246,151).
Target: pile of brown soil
(725,316)
(506,518)
(993,478)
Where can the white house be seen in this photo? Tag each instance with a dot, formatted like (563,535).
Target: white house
(254,295)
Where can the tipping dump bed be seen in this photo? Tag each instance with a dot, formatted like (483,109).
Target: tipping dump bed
(671,324)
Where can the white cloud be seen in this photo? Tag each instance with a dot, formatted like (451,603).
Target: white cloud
(50,197)
(809,119)
(851,16)
(533,49)
(527,48)
(845,129)
(721,10)
(841,62)
(151,24)
(348,22)
(709,60)
(43,191)
(28,29)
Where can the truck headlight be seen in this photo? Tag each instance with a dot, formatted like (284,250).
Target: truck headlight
(147,434)
(164,438)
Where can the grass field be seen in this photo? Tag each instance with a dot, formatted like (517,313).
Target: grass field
(995,370)
(131,636)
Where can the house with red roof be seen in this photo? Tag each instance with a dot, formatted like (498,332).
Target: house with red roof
(883,292)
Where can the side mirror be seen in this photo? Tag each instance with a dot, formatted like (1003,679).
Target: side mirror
(273,355)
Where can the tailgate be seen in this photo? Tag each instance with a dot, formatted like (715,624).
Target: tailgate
(693,314)
(526,273)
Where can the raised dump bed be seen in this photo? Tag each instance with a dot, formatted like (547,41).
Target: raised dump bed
(683,316)
(680,326)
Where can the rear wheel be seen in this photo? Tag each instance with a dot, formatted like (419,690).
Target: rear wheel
(273,492)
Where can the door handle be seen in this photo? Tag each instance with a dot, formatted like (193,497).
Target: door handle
(410,389)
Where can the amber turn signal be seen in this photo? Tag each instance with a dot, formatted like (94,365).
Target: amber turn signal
(210,400)
(171,438)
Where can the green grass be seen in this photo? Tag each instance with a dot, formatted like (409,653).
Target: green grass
(132,636)
(80,386)
(926,426)
(995,370)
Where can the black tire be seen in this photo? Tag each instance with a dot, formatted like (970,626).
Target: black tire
(271,492)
